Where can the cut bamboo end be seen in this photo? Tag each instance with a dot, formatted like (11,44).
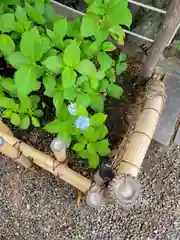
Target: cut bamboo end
(46,162)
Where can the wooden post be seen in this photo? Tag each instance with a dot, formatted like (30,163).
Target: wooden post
(163,37)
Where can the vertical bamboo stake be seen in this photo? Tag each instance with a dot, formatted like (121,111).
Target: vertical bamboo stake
(142,135)
(163,37)
(59,149)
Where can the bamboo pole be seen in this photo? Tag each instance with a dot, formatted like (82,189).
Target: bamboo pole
(164,36)
(46,162)
(13,153)
(5,129)
(141,137)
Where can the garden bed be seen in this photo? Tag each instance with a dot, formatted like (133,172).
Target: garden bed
(66,81)
(122,114)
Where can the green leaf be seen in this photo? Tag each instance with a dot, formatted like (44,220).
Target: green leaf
(103,85)
(112,3)
(108,46)
(53,127)
(16,59)
(101,35)
(93,161)
(86,87)
(71,54)
(6,44)
(6,22)
(39,6)
(54,63)
(86,67)
(35,121)
(34,101)
(104,60)
(15,119)
(78,147)
(102,131)
(39,71)
(93,49)
(49,82)
(81,80)
(38,113)
(89,25)
(70,93)
(31,45)
(68,77)
(81,110)
(115,91)
(58,101)
(60,28)
(103,147)
(8,103)
(25,122)
(46,44)
(74,28)
(110,73)
(27,25)
(97,8)
(21,14)
(25,80)
(90,134)
(18,27)
(121,67)
(51,52)
(97,103)
(91,148)
(34,14)
(118,15)
(64,132)
(84,154)
(94,82)
(122,57)
(98,119)
(83,99)
(49,12)
(7,113)
(8,84)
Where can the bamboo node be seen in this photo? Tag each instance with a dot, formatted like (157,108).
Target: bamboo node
(54,166)
(19,153)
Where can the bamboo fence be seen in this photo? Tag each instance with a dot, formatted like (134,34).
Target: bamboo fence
(129,163)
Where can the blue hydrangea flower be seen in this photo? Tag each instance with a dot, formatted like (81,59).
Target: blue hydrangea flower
(82,122)
(72,108)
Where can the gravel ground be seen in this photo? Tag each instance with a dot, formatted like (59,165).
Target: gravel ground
(36,205)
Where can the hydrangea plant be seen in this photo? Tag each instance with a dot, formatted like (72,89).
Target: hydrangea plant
(68,62)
